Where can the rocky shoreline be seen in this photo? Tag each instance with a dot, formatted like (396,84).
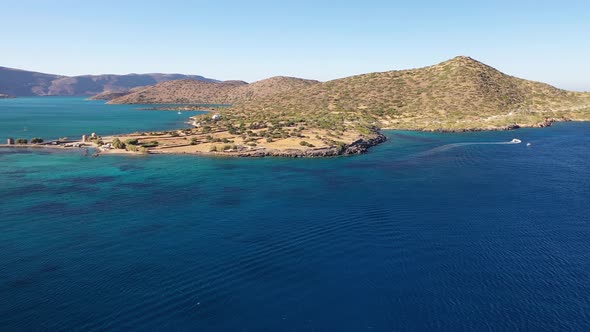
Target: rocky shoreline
(360,146)
(548,122)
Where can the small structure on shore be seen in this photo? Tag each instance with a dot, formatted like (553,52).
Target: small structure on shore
(216,117)
(10,141)
(84,138)
(93,135)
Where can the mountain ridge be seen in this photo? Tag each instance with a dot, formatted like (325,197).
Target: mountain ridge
(226,92)
(20,83)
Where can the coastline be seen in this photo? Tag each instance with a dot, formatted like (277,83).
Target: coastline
(358,146)
(548,122)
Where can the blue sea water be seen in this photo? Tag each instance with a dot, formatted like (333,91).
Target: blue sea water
(421,233)
(54,117)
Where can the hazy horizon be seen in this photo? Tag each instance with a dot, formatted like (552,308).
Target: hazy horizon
(535,40)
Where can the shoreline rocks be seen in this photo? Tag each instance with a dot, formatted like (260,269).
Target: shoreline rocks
(360,146)
(548,122)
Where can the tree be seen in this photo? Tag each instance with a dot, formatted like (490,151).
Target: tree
(36,140)
(21,141)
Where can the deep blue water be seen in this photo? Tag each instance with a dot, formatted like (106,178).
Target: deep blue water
(409,237)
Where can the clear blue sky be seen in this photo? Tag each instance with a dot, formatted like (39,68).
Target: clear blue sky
(542,40)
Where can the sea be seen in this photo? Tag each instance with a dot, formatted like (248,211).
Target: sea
(427,231)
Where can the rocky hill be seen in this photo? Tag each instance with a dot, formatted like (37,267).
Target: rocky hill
(108,95)
(17,82)
(228,92)
(181,92)
(458,94)
(268,87)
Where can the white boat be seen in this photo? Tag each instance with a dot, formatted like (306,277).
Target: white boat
(528,144)
(179,112)
(516,140)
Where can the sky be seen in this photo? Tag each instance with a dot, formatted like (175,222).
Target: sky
(541,40)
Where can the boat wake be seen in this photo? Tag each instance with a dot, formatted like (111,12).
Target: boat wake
(456,145)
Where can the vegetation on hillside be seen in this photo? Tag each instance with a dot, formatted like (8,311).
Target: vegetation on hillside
(197,92)
(457,94)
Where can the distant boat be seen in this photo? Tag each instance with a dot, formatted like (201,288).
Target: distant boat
(516,140)
(528,144)
(179,112)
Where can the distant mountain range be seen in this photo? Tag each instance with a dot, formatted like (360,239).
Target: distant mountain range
(17,83)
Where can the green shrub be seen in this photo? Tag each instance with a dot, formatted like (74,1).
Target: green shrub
(131,147)
(132,141)
(36,140)
(151,144)
(194,141)
(117,144)
(304,143)
(213,148)
(21,141)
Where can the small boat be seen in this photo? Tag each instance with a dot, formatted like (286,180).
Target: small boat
(516,140)
(179,112)
(528,144)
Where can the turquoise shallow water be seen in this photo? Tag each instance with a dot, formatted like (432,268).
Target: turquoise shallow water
(422,233)
(54,117)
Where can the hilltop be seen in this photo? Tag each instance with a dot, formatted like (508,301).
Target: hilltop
(459,94)
(19,83)
(228,92)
